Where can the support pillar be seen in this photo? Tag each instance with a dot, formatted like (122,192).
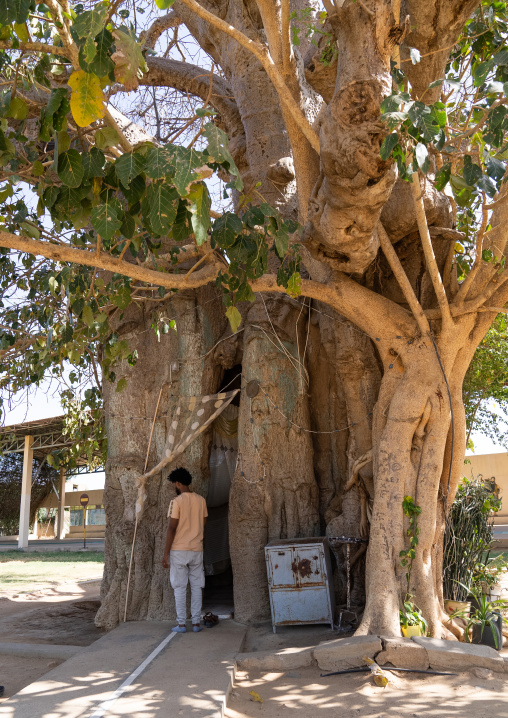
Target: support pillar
(60,525)
(26,490)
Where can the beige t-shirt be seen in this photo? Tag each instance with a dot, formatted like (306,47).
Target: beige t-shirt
(190,510)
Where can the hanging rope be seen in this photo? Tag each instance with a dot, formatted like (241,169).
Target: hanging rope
(136,524)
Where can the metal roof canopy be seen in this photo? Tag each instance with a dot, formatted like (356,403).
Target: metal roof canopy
(48,435)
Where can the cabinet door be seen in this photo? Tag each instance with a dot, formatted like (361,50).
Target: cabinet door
(308,566)
(279,567)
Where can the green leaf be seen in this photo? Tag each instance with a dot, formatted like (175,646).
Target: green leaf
(90,49)
(93,163)
(90,22)
(281,237)
(164,4)
(122,298)
(218,150)
(235,318)
(128,166)
(186,162)
(200,204)
(162,202)
(436,83)
(107,137)
(422,157)
(128,226)
(18,10)
(160,162)
(18,109)
(181,226)
(105,218)
(388,145)
(442,177)
(136,190)
(70,168)
(226,229)
(87,315)
(87,100)
(37,168)
(128,58)
(472,172)
(121,385)
(102,64)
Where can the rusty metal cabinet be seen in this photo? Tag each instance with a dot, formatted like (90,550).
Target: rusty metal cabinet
(300,581)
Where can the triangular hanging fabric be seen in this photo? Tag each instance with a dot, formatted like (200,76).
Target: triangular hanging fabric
(193,414)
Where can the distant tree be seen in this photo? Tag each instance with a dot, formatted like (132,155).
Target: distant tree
(11,470)
(486,383)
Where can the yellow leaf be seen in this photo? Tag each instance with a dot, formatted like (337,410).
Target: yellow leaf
(255,696)
(87,100)
(459,248)
(21,31)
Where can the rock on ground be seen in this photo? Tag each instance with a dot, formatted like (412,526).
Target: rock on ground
(403,653)
(346,652)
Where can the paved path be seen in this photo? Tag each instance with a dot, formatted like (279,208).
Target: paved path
(53,545)
(190,676)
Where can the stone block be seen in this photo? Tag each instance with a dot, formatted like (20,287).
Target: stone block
(345,653)
(455,656)
(403,653)
(286,659)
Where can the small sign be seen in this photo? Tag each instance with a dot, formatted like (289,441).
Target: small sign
(84,499)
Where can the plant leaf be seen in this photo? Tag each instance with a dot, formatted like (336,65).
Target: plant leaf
(70,168)
(128,58)
(106,219)
(89,23)
(235,318)
(128,166)
(87,100)
(162,202)
(200,204)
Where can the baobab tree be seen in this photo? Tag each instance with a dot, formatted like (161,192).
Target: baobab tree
(353,267)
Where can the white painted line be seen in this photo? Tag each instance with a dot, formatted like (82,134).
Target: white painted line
(107,704)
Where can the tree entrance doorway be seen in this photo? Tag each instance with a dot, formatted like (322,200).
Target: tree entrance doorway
(218,594)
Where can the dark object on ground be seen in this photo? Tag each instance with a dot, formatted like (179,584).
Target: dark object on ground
(492,634)
(210,620)
(1,691)
(385,668)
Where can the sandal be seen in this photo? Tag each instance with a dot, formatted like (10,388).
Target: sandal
(210,620)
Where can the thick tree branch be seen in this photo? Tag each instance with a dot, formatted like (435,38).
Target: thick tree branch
(380,318)
(64,253)
(163,23)
(261,54)
(428,251)
(402,279)
(271,16)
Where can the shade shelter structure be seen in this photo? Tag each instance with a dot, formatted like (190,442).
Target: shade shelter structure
(38,439)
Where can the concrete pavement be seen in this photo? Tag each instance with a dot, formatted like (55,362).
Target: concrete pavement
(190,676)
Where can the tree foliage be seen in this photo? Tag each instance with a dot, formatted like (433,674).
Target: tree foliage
(11,470)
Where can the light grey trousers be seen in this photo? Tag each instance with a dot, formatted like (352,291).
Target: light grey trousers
(187,567)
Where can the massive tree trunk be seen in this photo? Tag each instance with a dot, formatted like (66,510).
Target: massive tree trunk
(353,410)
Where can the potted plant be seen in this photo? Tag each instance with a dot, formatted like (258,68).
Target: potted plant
(412,621)
(468,538)
(487,575)
(485,624)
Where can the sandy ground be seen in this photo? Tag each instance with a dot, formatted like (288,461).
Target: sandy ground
(305,693)
(63,615)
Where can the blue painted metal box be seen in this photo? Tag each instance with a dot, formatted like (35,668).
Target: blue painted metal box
(300,581)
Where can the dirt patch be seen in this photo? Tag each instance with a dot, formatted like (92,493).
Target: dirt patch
(63,615)
(304,692)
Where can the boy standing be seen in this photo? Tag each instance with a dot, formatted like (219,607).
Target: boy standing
(183,554)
